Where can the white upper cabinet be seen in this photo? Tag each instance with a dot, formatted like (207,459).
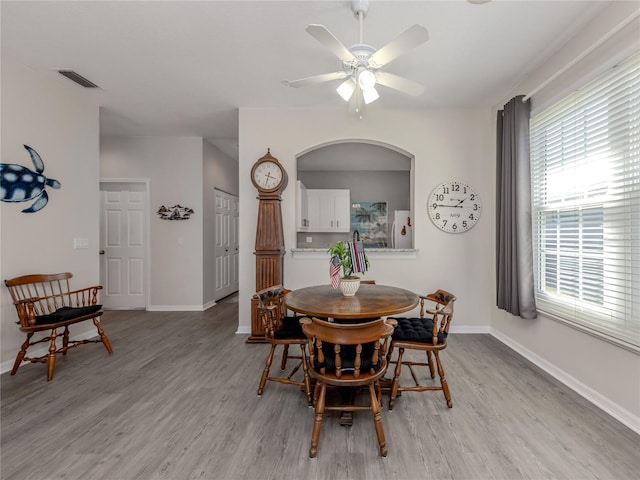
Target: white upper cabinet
(302,209)
(329,210)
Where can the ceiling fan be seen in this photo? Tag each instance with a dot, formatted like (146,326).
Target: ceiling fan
(362,63)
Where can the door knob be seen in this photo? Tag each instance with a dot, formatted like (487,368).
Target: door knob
(101,252)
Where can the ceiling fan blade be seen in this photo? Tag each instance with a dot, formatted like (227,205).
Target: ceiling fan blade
(410,38)
(399,83)
(325,77)
(325,37)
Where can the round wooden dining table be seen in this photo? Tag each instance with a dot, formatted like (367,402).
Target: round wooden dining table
(370,301)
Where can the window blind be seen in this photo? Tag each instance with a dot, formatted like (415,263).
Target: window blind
(585,183)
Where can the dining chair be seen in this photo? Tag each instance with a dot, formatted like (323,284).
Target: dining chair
(347,355)
(282,330)
(427,334)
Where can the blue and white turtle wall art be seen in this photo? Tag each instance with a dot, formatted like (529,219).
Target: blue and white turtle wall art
(19,184)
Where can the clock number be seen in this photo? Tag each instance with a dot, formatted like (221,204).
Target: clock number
(437,216)
(445,190)
(471,216)
(439,197)
(454,226)
(475,207)
(434,205)
(455,187)
(464,224)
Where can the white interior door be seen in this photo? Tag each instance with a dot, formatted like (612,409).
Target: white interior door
(123,244)
(226,248)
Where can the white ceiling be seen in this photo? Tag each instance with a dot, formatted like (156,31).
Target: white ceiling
(184,68)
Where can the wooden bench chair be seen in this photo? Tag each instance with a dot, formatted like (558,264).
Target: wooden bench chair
(47,303)
(347,355)
(424,334)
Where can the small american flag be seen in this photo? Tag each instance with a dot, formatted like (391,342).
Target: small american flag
(334,272)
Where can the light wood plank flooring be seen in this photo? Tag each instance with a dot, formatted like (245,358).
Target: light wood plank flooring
(177,400)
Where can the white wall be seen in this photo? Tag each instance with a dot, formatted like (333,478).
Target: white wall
(447,144)
(606,374)
(60,120)
(185,171)
(219,172)
(174,167)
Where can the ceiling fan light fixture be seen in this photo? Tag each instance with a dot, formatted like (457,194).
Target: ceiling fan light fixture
(366,79)
(346,89)
(370,95)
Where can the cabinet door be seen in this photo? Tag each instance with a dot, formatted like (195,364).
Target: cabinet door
(313,210)
(302,209)
(342,210)
(327,219)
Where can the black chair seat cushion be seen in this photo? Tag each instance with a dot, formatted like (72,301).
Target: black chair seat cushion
(290,329)
(348,358)
(66,313)
(416,330)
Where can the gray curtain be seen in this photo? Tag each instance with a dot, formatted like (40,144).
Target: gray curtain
(514,254)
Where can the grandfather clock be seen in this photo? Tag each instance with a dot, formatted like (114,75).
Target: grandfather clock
(270,179)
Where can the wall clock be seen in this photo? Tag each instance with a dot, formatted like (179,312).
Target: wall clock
(270,179)
(268,175)
(454,207)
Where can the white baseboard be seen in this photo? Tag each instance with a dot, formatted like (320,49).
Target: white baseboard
(208,305)
(243,330)
(176,308)
(616,411)
(468,329)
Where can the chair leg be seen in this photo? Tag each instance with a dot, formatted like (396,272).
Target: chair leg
(379,392)
(443,381)
(317,422)
(431,366)
(103,336)
(305,371)
(65,340)
(377,421)
(285,356)
(265,372)
(21,353)
(51,357)
(389,354)
(316,392)
(395,383)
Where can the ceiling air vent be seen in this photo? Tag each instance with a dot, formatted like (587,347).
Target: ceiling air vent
(79,79)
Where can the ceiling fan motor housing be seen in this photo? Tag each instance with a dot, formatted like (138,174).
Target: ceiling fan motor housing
(362,52)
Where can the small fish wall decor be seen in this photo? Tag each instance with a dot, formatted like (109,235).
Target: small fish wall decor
(177,212)
(20,184)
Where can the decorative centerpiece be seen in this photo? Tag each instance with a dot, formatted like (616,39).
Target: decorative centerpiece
(350,257)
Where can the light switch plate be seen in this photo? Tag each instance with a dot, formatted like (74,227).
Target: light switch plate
(80,243)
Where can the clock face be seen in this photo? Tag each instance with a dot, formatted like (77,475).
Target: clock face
(267,175)
(454,207)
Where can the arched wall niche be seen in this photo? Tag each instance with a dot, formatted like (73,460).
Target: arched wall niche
(372,171)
